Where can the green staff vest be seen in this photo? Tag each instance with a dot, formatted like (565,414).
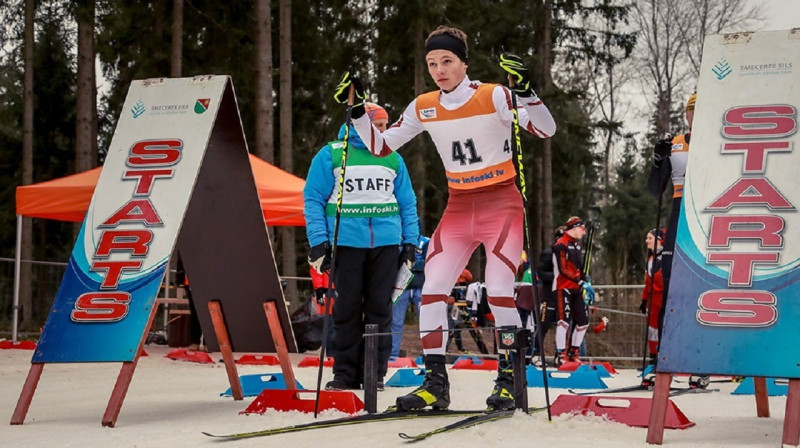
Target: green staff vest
(368,183)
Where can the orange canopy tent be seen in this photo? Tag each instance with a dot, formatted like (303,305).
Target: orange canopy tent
(67,198)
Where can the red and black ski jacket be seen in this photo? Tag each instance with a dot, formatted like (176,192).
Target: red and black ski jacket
(568,262)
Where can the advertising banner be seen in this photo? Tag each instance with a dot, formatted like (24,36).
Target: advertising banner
(121,254)
(734,294)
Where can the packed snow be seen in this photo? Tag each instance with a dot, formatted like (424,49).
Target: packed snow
(170,403)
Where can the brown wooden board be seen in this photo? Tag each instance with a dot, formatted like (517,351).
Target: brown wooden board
(224,243)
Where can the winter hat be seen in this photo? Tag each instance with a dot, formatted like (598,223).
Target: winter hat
(658,233)
(375,112)
(690,102)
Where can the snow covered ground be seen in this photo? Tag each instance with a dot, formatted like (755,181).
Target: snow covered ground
(169,403)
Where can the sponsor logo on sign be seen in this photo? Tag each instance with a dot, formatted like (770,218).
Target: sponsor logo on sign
(201,105)
(169,109)
(427,114)
(722,69)
(138,109)
(766,68)
(508,339)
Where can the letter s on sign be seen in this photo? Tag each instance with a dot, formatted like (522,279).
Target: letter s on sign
(737,308)
(108,306)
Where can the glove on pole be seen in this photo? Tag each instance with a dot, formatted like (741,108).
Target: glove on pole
(523,190)
(667,137)
(336,220)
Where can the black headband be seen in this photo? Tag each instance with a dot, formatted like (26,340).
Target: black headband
(447,42)
(574,223)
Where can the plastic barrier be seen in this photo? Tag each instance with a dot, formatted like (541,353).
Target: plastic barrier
(401,362)
(628,411)
(253,385)
(474,363)
(406,378)
(579,379)
(573,365)
(180,354)
(291,400)
(19,345)
(775,387)
(258,360)
(313,361)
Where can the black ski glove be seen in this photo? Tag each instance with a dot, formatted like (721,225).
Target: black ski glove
(408,255)
(514,66)
(319,257)
(343,89)
(662,150)
(643,307)
(319,295)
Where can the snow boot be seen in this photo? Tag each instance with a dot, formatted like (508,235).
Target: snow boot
(435,390)
(699,382)
(561,358)
(572,354)
(649,381)
(340,384)
(502,397)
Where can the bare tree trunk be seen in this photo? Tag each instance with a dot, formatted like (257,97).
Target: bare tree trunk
(26,251)
(264,145)
(547,149)
(176,53)
(539,238)
(289,251)
(84,158)
(417,168)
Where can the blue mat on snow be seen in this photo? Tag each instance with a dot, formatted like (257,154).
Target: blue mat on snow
(579,379)
(775,387)
(406,378)
(252,385)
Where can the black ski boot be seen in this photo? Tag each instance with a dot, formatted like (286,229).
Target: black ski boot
(699,382)
(435,390)
(502,397)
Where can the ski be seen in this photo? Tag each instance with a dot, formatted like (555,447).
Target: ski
(388,415)
(691,390)
(616,390)
(717,380)
(673,391)
(473,420)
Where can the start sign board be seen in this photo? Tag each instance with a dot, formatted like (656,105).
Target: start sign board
(177,169)
(734,294)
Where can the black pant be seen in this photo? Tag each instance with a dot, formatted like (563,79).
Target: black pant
(666,258)
(364,284)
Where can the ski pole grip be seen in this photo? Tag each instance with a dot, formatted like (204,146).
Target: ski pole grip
(510,81)
(351,95)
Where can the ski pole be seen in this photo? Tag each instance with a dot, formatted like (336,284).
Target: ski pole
(339,194)
(652,273)
(517,148)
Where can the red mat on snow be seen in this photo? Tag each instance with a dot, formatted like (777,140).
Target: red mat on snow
(625,410)
(258,360)
(19,345)
(180,354)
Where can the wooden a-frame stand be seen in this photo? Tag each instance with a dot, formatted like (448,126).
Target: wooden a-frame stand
(126,372)
(791,419)
(274,324)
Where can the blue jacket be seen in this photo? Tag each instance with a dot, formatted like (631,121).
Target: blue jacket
(361,232)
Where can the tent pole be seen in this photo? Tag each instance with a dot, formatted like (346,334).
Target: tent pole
(15,319)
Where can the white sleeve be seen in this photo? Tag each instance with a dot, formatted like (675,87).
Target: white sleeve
(534,116)
(383,144)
